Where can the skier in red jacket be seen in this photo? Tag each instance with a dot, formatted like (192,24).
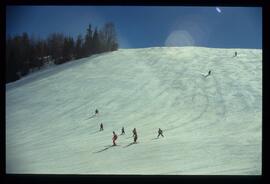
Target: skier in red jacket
(114,138)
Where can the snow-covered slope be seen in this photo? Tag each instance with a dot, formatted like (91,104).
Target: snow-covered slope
(211,125)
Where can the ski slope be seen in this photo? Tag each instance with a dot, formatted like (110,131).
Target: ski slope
(211,125)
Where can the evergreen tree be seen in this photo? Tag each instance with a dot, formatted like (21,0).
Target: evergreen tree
(96,42)
(40,52)
(11,63)
(88,44)
(68,48)
(25,53)
(34,62)
(72,47)
(56,43)
(79,47)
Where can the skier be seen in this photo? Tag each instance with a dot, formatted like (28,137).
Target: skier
(235,54)
(96,112)
(123,131)
(101,127)
(160,133)
(209,73)
(114,138)
(135,135)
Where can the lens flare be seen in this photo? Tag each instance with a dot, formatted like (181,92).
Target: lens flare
(179,38)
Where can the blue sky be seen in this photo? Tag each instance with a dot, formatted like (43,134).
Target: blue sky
(146,26)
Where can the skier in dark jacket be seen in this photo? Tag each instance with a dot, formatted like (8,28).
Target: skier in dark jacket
(209,73)
(235,54)
(101,127)
(135,136)
(96,112)
(114,138)
(160,133)
(123,131)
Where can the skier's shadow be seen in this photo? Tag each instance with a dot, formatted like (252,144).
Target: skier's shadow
(95,132)
(129,145)
(91,117)
(107,147)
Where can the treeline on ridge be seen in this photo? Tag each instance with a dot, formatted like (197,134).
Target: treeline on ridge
(25,54)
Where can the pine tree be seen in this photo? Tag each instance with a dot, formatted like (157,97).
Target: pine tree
(88,44)
(96,42)
(11,63)
(40,50)
(78,47)
(68,48)
(25,53)
(56,43)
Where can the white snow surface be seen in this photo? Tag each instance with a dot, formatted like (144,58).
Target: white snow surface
(211,126)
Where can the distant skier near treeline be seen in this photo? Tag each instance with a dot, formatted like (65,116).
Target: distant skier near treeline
(135,136)
(101,127)
(114,138)
(160,133)
(123,131)
(209,73)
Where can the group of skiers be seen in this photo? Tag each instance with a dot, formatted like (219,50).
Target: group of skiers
(134,131)
(135,136)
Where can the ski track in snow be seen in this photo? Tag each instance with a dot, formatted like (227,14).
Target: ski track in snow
(211,125)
